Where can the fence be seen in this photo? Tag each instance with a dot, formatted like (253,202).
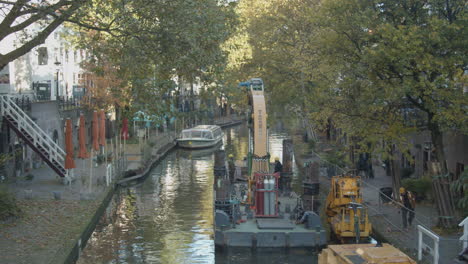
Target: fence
(432,248)
(464,238)
(387,218)
(66,104)
(24,103)
(385,215)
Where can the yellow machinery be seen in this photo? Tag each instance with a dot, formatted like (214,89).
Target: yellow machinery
(347,217)
(259,116)
(258,147)
(363,253)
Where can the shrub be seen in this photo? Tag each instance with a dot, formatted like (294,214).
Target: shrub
(420,187)
(8,205)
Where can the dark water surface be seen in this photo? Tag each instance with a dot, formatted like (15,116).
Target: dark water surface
(169,217)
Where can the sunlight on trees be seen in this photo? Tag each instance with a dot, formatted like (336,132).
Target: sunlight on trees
(365,66)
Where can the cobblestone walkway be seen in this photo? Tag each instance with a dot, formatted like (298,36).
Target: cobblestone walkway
(386,218)
(48,226)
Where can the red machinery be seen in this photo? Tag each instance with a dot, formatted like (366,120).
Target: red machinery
(266,194)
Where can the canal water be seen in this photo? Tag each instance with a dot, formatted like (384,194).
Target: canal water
(168,218)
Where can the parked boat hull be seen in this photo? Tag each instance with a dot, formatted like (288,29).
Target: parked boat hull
(197,144)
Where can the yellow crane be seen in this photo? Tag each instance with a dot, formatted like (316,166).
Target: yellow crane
(349,222)
(347,217)
(262,184)
(258,159)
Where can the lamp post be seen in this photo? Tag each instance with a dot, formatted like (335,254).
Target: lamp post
(57,64)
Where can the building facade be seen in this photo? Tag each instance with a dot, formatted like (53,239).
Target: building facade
(50,71)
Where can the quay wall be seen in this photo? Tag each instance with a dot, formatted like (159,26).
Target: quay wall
(72,250)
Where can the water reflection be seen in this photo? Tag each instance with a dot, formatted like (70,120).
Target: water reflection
(169,217)
(236,142)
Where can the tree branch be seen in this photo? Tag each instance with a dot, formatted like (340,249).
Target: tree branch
(40,37)
(13,14)
(20,26)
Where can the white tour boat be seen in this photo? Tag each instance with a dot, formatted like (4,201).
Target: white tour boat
(203,136)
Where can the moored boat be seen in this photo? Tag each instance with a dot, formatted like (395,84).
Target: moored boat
(203,136)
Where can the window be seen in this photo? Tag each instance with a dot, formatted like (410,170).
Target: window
(42,57)
(186,134)
(207,135)
(196,134)
(66,55)
(56,54)
(217,132)
(257,87)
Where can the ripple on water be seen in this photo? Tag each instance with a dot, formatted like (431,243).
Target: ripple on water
(169,218)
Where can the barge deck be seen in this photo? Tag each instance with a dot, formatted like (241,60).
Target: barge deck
(248,234)
(272,232)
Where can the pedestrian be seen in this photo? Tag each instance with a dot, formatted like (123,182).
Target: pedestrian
(278,165)
(408,205)
(279,169)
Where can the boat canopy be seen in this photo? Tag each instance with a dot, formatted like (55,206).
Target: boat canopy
(203,131)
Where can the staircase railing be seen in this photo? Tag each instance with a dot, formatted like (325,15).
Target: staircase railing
(39,137)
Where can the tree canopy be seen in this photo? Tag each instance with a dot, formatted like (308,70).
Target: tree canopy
(155,42)
(372,67)
(376,69)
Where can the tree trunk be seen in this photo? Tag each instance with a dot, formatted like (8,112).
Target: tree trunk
(441,182)
(395,173)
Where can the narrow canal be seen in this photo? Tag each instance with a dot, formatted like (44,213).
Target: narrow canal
(168,218)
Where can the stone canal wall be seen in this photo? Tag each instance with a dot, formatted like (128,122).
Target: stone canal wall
(57,220)
(71,251)
(71,256)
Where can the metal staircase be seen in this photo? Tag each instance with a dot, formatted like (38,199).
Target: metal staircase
(33,135)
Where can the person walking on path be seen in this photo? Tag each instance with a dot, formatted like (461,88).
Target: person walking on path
(407,209)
